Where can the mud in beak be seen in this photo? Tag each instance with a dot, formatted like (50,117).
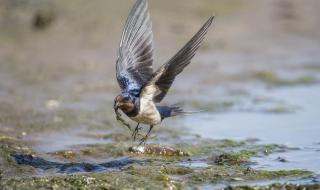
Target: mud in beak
(116,106)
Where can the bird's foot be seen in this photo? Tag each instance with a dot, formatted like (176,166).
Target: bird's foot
(143,141)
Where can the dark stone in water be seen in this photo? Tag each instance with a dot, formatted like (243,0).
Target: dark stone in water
(281,159)
(71,168)
(249,170)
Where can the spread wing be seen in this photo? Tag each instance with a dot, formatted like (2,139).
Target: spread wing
(163,78)
(135,56)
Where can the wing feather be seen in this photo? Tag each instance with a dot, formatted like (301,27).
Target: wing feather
(135,56)
(163,78)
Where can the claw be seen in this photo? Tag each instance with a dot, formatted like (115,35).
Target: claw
(134,135)
(143,141)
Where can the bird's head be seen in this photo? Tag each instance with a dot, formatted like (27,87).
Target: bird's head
(124,102)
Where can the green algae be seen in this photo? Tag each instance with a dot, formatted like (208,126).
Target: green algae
(216,174)
(152,175)
(176,170)
(132,177)
(208,146)
(231,143)
(107,150)
(273,79)
(228,161)
(205,147)
(280,110)
(158,171)
(114,150)
(280,174)
(95,181)
(8,167)
(233,158)
(212,106)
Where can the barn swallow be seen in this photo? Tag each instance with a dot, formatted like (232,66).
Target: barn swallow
(141,87)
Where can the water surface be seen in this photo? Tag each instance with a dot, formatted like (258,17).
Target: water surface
(298,128)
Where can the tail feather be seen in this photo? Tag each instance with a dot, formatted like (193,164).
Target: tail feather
(172,111)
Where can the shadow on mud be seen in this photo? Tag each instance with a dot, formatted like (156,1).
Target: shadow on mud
(71,168)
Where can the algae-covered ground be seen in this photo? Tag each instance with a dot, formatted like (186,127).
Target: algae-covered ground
(207,162)
(255,81)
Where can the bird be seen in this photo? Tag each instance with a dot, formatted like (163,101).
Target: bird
(142,88)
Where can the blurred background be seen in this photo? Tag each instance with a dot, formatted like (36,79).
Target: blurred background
(256,75)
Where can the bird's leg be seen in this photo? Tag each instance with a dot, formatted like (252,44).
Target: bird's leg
(136,132)
(144,139)
(119,118)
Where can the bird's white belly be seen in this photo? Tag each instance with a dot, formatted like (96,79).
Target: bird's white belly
(148,113)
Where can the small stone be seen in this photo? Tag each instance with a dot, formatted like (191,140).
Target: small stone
(89,180)
(137,149)
(249,170)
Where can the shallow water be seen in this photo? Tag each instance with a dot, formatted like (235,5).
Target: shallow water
(299,128)
(62,140)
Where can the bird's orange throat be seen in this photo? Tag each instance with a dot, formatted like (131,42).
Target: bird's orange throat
(127,107)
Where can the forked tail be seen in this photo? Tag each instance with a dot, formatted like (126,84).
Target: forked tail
(171,111)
